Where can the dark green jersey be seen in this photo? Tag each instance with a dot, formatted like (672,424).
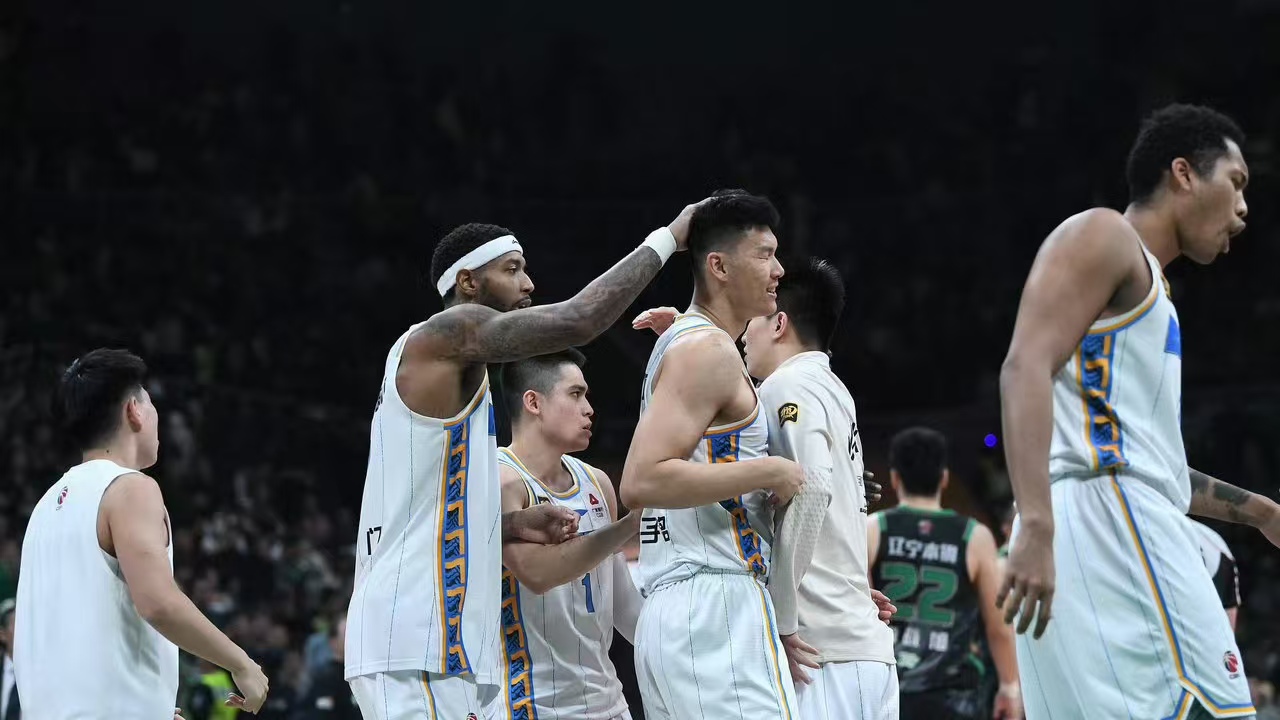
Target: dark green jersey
(920,565)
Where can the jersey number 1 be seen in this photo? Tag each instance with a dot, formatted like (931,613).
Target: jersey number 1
(586,583)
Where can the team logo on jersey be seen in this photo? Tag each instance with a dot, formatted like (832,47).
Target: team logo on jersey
(1232,663)
(472,716)
(62,497)
(926,527)
(789,412)
(596,510)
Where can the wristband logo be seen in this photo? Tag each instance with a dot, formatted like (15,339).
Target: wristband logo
(790,412)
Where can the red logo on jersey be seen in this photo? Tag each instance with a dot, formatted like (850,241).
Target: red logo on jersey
(926,527)
(592,498)
(472,716)
(1231,662)
(62,496)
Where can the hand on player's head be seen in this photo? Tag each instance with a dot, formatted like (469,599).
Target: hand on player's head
(680,226)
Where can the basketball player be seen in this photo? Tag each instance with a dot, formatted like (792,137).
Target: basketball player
(560,603)
(1091,392)
(1221,565)
(818,581)
(707,643)
(99,617)
(940,569)
(423,625)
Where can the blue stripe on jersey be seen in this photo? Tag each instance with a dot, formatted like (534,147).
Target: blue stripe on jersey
(1103,430)
(453,546)
(721,449)
(1173,341)
(493,420)
(515,651)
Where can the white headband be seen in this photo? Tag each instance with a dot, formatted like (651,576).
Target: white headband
(478,258)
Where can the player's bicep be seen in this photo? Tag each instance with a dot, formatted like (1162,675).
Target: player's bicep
(136,520)
(515,493)
(1077,271)
(694,385)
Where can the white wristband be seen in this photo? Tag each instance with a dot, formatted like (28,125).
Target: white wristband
(662,242)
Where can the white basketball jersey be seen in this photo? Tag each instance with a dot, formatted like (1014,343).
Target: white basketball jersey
(81,649)
(730,536)
(556,645)
(428,549)
(1117,403)
(806,403)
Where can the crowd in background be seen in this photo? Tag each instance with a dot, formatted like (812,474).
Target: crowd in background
(257,227)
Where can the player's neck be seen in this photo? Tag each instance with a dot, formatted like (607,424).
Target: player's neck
(719,311)
(931,502)
(541,460)
(1157,230)
(124,454)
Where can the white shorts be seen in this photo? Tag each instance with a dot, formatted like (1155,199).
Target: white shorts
(1137,629)
(856,690)
(417,695)
(707,647)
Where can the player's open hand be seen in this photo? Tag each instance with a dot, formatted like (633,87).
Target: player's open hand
(885,608)
(253,686)
(788,479)
(871,487)
(546,524)
(1028,579)
(800,655)
(655,319)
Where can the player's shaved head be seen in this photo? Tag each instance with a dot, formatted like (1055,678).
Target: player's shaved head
(723,220)
(91,392)
(812,296)
(919,456)
(539,374)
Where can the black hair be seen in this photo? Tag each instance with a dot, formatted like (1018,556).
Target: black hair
(460,241)
(1194,132)
(724,220)
(919,454)
(91,391)
(538,373)
(812,296)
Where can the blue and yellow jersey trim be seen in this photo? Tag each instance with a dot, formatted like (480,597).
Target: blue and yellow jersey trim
(1102,429)
(724,448)
(452,572)
(1189,687)
(517,661)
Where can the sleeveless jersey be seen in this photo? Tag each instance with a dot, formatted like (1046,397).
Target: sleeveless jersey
(81,649)
(428,548)
(730,536)
(921,567)
(1117,403)
(556,645)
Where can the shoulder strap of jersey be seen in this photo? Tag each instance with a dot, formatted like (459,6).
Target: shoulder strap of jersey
(587,476)
(506,457)
(683,325)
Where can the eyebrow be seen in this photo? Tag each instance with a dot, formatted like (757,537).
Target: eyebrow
(582,388)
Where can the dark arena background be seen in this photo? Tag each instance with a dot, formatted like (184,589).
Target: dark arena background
(247,195)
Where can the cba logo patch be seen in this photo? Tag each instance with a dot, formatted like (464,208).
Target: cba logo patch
(1231,662)
(790,412)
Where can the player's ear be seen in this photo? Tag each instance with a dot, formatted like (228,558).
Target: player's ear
(133,413)
(1180,173)
(531,403)
(895,482)
(779,325)
(946,478)
(716,266)
(467,284)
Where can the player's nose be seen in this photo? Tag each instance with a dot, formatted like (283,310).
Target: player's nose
(1242,208)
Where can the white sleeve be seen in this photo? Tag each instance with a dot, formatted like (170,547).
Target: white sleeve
(799,431)
(626,599)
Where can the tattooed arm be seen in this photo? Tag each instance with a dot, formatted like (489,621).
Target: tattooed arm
(1213,498)
(472,333)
